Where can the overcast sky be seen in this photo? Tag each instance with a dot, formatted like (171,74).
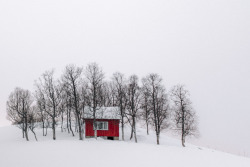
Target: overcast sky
(202,44)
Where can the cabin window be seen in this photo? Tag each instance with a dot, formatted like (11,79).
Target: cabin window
(101,125)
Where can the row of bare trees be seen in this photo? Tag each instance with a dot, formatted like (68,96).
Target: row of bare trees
(63,101)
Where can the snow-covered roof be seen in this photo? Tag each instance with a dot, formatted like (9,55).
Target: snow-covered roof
(102,113)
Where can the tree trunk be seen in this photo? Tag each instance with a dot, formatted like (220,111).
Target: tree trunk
(62,123)
(26,128)
(147,128)
(122,120)
(135,131)
(183,127)
(68,121)
(22,127)
(23,131)
(183,140)
(33,133)
(95,130)
(155,119)
(54,133)
(54,129)
(43,127)
(76,123)
(83,127)
(122,129)
(158,139)
(70,125)
(80,128)
(132,131)
(46,131)
(95,124)
(146,110)
(26,135)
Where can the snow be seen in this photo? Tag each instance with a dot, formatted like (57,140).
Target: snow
(103,113)
(69,151)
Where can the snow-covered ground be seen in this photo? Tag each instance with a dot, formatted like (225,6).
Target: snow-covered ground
(68,151)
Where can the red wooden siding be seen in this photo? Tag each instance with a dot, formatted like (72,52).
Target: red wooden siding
(113,128)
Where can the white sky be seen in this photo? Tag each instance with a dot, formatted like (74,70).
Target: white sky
(203,44)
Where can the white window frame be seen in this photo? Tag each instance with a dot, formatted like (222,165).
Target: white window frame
(101,122)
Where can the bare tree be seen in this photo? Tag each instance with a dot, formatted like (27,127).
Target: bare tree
(51,91)
(71,80)
(83,102)
(33,119)
(95,78)
(133,103)
(68,101)
(158,102)
(18,109)
(119,82)
(40,105)
(62,111)
(146,108)
(184,116)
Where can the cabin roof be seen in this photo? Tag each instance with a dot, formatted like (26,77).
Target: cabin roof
(102,113)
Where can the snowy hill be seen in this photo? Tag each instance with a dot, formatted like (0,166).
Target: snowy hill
(69,151)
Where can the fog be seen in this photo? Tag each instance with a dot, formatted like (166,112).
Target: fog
(202,44)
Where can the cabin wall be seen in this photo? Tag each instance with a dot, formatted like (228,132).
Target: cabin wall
(113,128)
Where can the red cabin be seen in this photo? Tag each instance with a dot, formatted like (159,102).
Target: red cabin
(107,121)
